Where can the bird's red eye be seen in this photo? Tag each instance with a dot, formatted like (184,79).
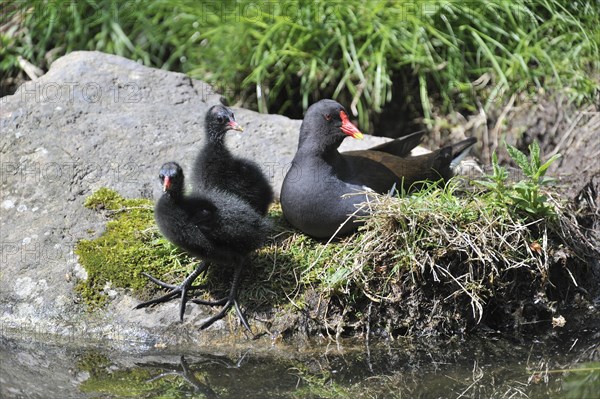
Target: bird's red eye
(327,117)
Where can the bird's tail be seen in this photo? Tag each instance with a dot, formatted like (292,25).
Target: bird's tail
(401,147)
(460,150)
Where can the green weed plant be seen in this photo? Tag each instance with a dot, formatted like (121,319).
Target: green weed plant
(527,195)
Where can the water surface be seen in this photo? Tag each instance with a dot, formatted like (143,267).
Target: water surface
(477,368)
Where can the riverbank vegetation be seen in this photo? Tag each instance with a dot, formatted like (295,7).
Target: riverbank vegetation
(493,253)
(418,57)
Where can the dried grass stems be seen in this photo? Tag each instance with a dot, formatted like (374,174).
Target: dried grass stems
(445,259)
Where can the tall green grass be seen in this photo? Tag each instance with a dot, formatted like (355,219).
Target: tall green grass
(280,56)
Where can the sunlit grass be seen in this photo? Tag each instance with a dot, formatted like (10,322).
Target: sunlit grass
(282,56)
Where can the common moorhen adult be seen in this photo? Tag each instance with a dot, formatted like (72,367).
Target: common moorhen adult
(213,225)
(323,188)
(216,167)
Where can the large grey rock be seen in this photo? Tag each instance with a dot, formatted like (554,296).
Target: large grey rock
(97,120)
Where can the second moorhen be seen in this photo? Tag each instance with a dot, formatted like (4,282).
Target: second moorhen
(322,190)
(213,225)
(216,167)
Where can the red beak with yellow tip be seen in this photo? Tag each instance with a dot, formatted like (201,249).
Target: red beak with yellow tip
(166,184)
(233,125)
(348,128)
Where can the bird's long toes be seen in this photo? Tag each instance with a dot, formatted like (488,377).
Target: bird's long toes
(182,305)
(218,316)
(218,302)
(165,298)
(160,283)
(241,316)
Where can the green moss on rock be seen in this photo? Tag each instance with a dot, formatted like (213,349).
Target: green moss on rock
(104,198)
(130,245)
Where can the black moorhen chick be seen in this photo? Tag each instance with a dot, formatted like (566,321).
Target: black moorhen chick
(216,167)
(323,187)
(213,225)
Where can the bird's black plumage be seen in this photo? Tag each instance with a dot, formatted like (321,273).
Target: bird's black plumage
(324,187)
(217,167)
(213,225)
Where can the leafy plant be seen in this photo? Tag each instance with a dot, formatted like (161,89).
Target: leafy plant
(526,195)
(496,182)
